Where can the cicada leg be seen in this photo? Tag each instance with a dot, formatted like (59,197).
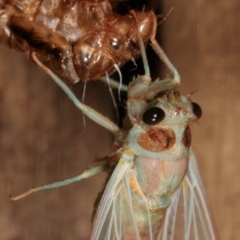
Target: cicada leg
(86,174)
(142,87)
(114,84)
(88,111)
(176,80)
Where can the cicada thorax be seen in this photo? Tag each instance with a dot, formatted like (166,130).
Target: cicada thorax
(78,40)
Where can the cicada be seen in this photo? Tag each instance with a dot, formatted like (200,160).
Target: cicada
(154,190)
(76,39)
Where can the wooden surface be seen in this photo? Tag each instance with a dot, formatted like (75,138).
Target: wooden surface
(42,138)
(202,39)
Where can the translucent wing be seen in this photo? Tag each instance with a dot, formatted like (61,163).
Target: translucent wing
(117,216)
(189,216)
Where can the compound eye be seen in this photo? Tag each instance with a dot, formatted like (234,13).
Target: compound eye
(153,116)
(196,110)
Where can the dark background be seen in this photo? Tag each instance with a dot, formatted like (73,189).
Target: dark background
(42,137)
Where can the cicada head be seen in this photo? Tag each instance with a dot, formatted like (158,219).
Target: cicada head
(163,124)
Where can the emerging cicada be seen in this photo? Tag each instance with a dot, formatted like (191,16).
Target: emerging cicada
(76,39)
(155,189)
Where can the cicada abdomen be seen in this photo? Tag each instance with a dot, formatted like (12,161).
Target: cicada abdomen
(76,39)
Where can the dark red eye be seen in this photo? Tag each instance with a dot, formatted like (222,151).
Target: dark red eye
(196,110)
(153,115)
